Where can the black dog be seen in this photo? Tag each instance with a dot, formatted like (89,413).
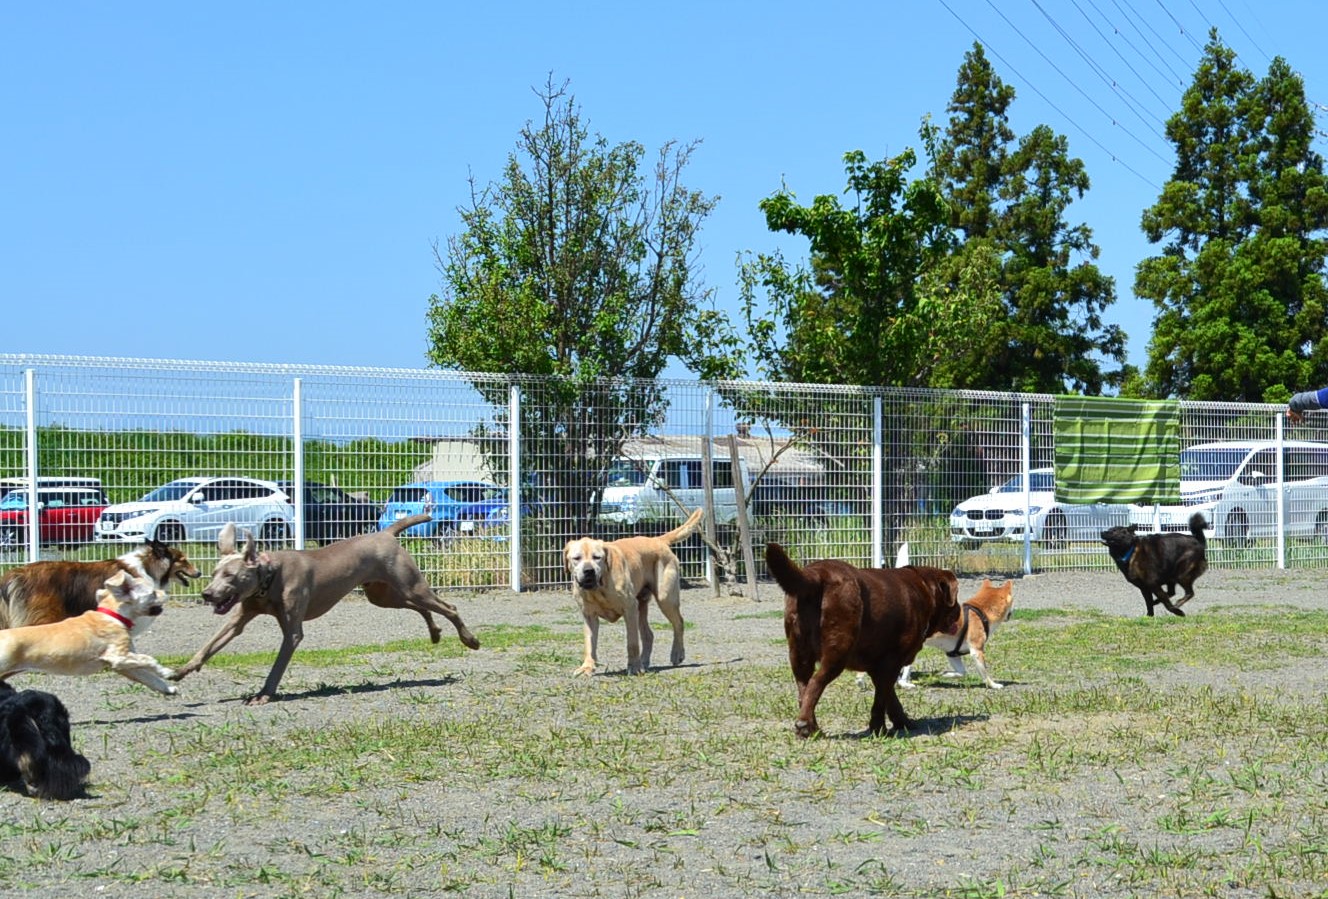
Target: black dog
(35,751)
(1157,561)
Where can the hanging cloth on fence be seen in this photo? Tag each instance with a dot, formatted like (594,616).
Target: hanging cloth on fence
(1117,451)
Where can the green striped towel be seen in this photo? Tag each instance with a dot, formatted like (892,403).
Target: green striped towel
(1117,451)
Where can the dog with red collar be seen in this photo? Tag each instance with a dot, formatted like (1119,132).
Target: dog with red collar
(98,640)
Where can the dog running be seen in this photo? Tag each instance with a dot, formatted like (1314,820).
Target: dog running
(97,640)
(1156,563)
(50,591)
(838,617)
(980,615)
(295,586)
(36,753)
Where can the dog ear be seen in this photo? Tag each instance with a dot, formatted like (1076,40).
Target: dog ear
(567,554)
(116,580)
(947,589)
(226,539)
(250,548)
(1133,529)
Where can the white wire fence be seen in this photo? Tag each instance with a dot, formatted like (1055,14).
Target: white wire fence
(126,450)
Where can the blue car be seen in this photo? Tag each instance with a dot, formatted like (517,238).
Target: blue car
(457,507)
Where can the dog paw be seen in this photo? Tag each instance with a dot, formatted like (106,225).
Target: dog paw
(171,691)
(584,671)
(258,699)
(804,729)
(995,686)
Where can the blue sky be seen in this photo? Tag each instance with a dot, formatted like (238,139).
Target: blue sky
(265,182)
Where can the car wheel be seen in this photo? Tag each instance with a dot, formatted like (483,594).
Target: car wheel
(1238,528)
(1056,530)
(169,532)
(273,532)
(10,538)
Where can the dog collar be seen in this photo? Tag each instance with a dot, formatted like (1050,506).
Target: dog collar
(128,623)
(1126,557)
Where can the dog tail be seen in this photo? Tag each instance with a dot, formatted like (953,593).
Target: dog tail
(789,576)
(1197,525)
(684,530)
(397,527)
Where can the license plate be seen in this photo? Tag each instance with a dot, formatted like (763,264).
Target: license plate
(467,525)
(107,526)
(400,514)
(982,527)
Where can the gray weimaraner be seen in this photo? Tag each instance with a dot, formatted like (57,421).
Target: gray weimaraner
(295,586)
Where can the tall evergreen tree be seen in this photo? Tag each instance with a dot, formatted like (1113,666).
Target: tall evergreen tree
(1239,285)
(1009,200)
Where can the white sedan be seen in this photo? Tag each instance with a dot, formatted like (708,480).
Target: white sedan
(999,515)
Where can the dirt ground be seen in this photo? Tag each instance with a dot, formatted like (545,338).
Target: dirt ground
(123,833)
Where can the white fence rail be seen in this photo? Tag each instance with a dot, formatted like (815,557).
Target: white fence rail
(829,471)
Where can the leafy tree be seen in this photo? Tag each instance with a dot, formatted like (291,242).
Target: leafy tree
(869,309)
(1239,285)
(1009,200)
(580,263)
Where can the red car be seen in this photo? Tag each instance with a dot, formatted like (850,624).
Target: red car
(66,515)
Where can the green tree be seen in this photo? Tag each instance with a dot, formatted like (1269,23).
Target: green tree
(1239,285)
(868,309)
(1010,200)
(581,264)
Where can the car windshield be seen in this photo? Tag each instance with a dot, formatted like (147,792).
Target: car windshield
(626,473)
(171,492)
(1211,464)
(409,495)
(1043,482)
(16,499)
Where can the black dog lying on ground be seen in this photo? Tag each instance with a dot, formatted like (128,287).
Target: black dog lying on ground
(35,750)
(1156,563)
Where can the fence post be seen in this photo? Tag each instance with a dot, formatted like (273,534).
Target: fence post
(878,553)
(1281,492)
(708,488)
(514,485)
(297,438)
(34,530)
(1026,464)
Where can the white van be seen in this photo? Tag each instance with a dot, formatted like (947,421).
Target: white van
(639,489)
(1234,484)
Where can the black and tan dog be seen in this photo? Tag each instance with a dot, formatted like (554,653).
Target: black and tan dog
(51,591)
(839,617)
(1156,563)
(36,753)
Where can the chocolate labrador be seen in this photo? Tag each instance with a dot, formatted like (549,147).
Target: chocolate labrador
(837,617)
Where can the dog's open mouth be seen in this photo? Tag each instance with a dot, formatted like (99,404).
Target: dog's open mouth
(222,606)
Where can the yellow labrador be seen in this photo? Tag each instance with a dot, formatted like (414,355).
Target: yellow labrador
(98,640)
(616,579)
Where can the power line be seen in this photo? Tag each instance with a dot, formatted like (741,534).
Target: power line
(1073,84)
(1119,55)
(1114,158)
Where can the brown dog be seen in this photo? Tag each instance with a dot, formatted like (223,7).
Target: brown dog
(46,592)
(1156,563)
(97,640)
(839,617)
(613,580)
(295,586)
(978,619)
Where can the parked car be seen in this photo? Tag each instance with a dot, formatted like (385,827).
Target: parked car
(331,513)
(457,507)
(1234,484)
(196,509)
(64,515)
(644,489)
(999,514)
(10,484)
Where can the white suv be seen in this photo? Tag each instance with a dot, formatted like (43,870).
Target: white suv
(1234,484)
(196,509)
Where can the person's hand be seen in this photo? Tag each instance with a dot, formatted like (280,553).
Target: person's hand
(1294,417)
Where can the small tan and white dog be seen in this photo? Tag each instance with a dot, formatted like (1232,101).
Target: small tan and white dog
(980,615)
(97,640)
